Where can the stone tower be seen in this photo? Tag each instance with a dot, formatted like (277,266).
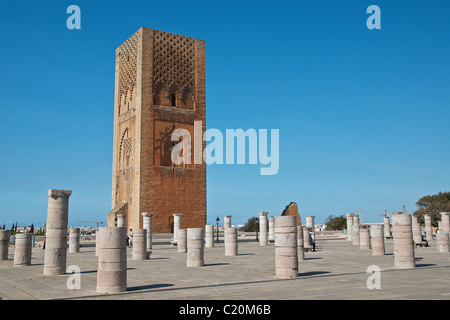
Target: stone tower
(159,87)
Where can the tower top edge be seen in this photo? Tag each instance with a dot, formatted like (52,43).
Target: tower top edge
(146,29)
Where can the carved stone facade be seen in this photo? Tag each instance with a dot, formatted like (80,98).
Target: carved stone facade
(160,87)
(174,70)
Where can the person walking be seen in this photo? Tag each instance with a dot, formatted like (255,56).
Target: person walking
(312,240)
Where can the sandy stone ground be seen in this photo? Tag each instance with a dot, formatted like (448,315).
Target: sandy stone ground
(336,271)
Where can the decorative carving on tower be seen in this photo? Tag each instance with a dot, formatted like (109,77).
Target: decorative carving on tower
(174,64)
(127,60)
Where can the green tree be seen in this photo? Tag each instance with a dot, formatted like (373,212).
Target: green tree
(32,228)
(433,205)
(335,223)
(252,225)
(39,232)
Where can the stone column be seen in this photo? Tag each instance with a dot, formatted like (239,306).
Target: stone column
(121,220)
(286,248)
(147,225)
(364,239)
(195,247)
(355,228)
(442,242)
(310,222)
(417,235)
(209,236)
(231,241)
(396,213)
(349,226)
(56,236)
(74,240)
(182,240)
(112,260)
(445,218)
(442,238)
(22,250)
(226,222)
(387,227)
(300,243)
(176,227)
(377,239)
(96,242)
(428,227)
(4,244)
(139,251)
(271,229)
(263,237)
(403,241)
(307,245)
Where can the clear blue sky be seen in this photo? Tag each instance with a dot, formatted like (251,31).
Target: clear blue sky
(363,114)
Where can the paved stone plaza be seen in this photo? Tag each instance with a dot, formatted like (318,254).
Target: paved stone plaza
(337,270)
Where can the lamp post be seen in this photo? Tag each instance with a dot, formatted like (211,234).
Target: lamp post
(217,222)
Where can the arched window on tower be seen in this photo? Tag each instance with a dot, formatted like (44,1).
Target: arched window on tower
(125,155)
(174,100)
